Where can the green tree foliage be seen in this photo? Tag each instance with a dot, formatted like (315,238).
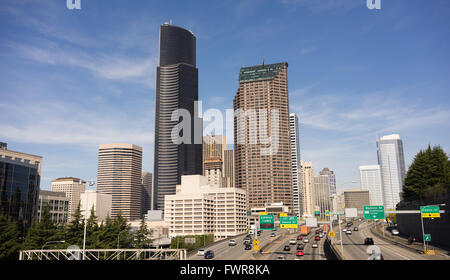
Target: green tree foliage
(9,239)
(41,232)
(428,175)
(142,236)
(200,241)
(74,231)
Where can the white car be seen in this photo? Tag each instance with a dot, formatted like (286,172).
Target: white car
(280,257)
(305,240)
(292,241)
(348,232)
(201,252)
(395,232)
(232,242)
(315,245)
(344,230)
(321,235)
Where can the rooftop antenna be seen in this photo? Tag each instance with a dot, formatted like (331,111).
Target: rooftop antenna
(170,22)
(263,62)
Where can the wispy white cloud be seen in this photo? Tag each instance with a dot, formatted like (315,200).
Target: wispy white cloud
(54,122)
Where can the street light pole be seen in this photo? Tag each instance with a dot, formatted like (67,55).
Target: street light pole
(90,183)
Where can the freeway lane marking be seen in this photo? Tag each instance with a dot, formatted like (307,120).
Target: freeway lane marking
(385,246)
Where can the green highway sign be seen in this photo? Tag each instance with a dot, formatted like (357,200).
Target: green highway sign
(288,222)
(267,222)
(374,212)
(316,213)
(430,211)
(427,237)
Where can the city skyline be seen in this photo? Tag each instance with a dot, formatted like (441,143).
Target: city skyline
(351,109)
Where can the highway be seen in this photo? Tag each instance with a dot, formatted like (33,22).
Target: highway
(355,249)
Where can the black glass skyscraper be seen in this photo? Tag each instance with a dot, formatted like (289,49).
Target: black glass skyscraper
(176,88)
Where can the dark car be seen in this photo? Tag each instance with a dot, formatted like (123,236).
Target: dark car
(317,231)
(355,229)
(300,247)
(412,239)
(286,248)
(368,241)
(248,247)
(209,254)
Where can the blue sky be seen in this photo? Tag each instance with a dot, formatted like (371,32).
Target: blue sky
(73,79)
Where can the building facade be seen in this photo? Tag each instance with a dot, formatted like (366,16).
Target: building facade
(356,198)
(199,208)
(322,194)
(146,196)
(295,162)
(176,100)
(307,176)
(261,135)
(57,203)
(228,169)
(119,174)
(20,176)
(72,187)
(331,179)
(392,165)
(370,178)
(101,203)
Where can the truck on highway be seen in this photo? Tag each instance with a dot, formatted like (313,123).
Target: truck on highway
(304,230)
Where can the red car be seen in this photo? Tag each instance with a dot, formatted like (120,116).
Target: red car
(299,253)
(317,238)
(299,238)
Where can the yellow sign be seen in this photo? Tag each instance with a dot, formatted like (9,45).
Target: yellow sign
(283,214)
(431,252)
(262,213)
(256,241)
(331,234)
(431,215)
(288,226)
(256,248)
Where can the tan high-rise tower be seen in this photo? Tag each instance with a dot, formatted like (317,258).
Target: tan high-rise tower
(261,135)
(120,174)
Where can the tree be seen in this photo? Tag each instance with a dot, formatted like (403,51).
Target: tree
(142,236)
(9,239)
(428,175)
(74,231)
(41,232)
(92,230)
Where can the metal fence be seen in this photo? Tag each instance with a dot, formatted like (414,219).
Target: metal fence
(104,254)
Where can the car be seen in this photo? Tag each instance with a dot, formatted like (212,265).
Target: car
(280,257)
(315,245)
(299,253)
(411,240)
(348,232)
(355,229)
(321,235)
(252,232)
(376,257)
(395,232)
(299,237)
(272,234)
(317,238)
(232,242)
(317,231)
(344,230)
(201,252)
(299,247)
(368,241)
(286,248)
(258,233)
(209,254)
(248,247)
(292,241)
(305,240)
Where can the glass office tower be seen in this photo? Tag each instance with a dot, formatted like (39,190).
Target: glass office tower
(176,88)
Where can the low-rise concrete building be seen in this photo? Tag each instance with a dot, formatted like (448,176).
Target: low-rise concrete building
(200,208)
(101,202)
(57,203)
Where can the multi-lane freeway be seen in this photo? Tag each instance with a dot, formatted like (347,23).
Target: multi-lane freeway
(355,249)
(353,246)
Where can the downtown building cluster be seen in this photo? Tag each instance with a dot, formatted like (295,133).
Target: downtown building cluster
(199,185)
